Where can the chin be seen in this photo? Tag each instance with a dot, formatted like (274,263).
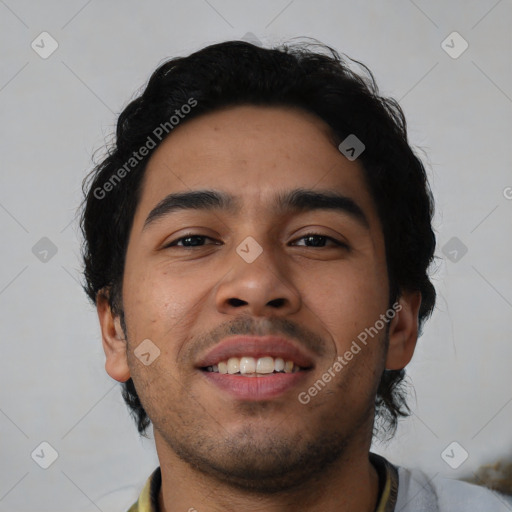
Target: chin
(260,462)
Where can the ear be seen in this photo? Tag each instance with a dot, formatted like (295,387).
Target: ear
(403,331)
(113,340)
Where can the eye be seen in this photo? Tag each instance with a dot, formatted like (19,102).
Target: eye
(189,240)
(318,240)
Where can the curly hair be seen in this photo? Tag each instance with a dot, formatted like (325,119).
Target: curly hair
(313,77)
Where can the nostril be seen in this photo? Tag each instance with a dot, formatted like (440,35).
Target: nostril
(236,302)
(277,303)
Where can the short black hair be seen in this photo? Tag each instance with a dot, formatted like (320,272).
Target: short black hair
(305,75)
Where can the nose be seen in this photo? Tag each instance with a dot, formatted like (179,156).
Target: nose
(260,288)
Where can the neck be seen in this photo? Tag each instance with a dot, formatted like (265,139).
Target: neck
(349,484)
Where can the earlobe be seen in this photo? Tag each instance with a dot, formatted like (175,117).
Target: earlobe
(403,331)
(113,340)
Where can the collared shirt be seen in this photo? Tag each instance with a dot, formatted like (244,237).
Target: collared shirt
(388,488)
(400,490)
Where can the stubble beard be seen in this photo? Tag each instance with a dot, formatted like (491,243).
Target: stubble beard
(254,460)
(263,461)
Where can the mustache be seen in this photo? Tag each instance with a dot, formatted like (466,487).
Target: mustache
(249,326)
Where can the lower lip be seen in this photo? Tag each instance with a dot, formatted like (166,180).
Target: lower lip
(255,388)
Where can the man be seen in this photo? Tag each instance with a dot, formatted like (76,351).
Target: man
(257,244)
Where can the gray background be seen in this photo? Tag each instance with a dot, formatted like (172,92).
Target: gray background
(56,111)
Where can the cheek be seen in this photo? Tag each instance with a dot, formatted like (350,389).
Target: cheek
(155,301)
(347,299)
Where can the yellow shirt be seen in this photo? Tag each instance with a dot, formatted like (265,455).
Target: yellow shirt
(388,488)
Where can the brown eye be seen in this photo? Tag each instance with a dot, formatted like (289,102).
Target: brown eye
(317,240)
(189,240)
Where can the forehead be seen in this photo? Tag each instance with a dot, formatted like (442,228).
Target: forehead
(251,153)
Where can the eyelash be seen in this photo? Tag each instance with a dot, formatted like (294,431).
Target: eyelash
(195,235)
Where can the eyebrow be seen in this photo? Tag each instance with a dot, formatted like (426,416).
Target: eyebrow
(297,200)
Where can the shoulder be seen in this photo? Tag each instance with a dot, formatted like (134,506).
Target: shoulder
(419,492)
(466,496)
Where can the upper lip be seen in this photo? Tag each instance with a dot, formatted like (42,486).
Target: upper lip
(256,346)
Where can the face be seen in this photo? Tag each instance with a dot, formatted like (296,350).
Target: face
(280,264)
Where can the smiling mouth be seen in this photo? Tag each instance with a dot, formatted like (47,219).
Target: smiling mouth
(247,366)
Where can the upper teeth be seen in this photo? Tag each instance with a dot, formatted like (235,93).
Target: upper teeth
(250,365)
